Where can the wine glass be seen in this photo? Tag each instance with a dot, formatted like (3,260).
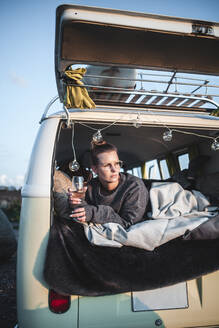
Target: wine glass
(78,187)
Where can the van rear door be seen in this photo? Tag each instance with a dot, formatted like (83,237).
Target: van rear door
(100,36)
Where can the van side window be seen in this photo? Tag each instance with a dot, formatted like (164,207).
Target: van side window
(153,170)
(136,171)
(158,168)
(183,161)
(164,169)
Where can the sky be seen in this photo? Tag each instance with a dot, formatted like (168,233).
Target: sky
(27,66)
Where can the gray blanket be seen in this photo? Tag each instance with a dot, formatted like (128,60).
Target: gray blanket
(174,211)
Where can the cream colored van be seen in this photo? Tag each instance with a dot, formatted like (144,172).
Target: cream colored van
(152,85)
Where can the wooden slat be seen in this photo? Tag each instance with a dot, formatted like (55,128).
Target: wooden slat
(145,99)
(114,96)
(179,100)
(156,100)
(167,101)
(135,98)
(100,95)
(124,97)
(202,102)
(188,102)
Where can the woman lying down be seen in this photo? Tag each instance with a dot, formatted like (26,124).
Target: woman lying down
(113,213)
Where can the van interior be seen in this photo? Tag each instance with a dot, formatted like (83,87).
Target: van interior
(188,156)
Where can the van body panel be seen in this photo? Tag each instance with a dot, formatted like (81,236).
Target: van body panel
(32,291)
(103,311)
(38,178)
(117,309)
(148,117)
(67,13)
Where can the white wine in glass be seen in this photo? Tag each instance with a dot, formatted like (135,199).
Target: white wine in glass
(78,187)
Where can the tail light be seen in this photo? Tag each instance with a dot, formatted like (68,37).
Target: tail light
(58,303)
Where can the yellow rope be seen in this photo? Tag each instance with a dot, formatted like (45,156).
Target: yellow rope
(215,112)
(77,96)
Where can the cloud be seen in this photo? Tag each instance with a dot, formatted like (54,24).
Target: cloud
(18,80)
(17,182)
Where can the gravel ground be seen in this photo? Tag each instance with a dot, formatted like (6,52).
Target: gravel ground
(8,310)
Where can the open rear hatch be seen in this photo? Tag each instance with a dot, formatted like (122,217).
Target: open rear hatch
(120,40)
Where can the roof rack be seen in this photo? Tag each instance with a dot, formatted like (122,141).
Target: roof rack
(183,97)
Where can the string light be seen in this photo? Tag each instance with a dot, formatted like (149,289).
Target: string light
(168,135)
(97,137)
(137,123)
(73,165)
(215,145)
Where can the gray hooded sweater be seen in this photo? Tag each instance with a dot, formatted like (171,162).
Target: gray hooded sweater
(125,205)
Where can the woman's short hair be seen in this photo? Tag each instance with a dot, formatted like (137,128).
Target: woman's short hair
(100,148)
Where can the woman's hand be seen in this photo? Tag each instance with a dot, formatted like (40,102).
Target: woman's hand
(79,214)
(72,199)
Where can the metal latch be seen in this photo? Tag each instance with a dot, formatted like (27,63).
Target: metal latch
(202,29)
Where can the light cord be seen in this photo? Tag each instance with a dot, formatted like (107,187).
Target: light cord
(194,134)
(90,127)
(138,118)
(72,141)
(184,132)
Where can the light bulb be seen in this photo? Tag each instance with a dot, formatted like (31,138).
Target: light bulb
(97,137)
(137,123)
(74,166)
(167,135)
(215,145)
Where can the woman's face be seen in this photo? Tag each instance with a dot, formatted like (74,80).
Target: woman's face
(108,167)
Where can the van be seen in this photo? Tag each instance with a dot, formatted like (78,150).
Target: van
(149,85)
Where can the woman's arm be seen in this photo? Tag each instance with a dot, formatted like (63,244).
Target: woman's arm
(132,209)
